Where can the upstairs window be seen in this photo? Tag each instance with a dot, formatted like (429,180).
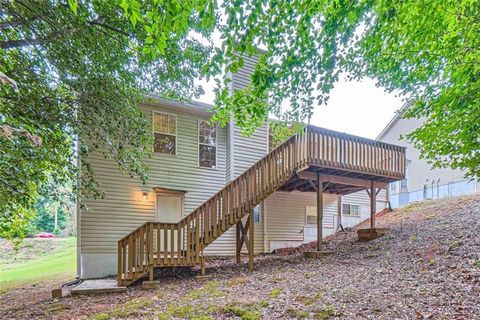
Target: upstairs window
(165,133)
(351,210)
(207,145)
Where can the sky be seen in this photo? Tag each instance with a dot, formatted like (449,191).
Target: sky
(358,108)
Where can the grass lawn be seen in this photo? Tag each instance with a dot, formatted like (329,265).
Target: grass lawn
(37,260)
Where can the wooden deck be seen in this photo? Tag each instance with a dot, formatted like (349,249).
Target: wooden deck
(345,163)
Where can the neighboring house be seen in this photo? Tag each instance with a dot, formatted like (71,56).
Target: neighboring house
(193,160)
(421,181)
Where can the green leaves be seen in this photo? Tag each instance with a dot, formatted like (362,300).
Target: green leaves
(167,21)
(81,71)
(425,50)
(73,4)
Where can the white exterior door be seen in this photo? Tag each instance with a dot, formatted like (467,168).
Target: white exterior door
(169,208)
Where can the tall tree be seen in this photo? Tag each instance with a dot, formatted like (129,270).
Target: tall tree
(78,69)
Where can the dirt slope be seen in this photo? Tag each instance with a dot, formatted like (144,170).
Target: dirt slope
(426,267)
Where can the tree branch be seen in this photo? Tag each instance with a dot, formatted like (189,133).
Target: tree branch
(16,23)
(97,23)
(12,44)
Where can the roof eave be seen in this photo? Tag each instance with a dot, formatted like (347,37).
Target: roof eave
(398,115)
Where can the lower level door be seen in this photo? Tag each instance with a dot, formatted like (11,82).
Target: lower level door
(169,210)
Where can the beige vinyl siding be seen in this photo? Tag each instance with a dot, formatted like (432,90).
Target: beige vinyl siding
(123,209)
(285,214)
(241,79)
(419,170)
(248,150)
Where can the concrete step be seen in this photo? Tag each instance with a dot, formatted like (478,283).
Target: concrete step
(95,286)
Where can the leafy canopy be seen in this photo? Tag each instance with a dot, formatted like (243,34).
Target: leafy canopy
(80,68)
(428,51)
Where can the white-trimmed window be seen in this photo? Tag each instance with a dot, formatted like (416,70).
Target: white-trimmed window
(207,144)
(393,186)
(311,215)
(328,219)
(164,133)
(351,209)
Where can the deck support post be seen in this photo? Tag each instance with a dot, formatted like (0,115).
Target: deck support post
(202,267)
(319,212)
(238,246)
(373,205)
(250,243)
(150,273)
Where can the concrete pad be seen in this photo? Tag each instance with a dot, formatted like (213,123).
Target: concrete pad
(97,286)
(317,254)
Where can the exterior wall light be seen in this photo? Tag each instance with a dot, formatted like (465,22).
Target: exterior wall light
(144,195)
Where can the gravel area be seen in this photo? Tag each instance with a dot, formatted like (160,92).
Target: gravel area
(427,266)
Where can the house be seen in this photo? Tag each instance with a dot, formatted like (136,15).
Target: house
(212,190)
(421,181)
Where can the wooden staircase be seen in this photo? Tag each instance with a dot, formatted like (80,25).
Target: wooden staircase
(157,244)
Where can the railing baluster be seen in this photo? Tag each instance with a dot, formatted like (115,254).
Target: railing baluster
(172,244)
(188,240)
(141,258)
(179,244)
(197,236)
(150,243)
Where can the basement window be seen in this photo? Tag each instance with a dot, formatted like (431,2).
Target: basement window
(164,133)
(207,144)
(351,210)
(328,221)
(311,215)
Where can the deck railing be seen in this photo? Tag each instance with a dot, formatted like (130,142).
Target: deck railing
(157,244)
(342,151)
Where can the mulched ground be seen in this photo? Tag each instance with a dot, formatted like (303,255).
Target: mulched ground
(426,267)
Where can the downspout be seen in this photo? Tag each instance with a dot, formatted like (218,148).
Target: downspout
(339,213)
(264,212)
